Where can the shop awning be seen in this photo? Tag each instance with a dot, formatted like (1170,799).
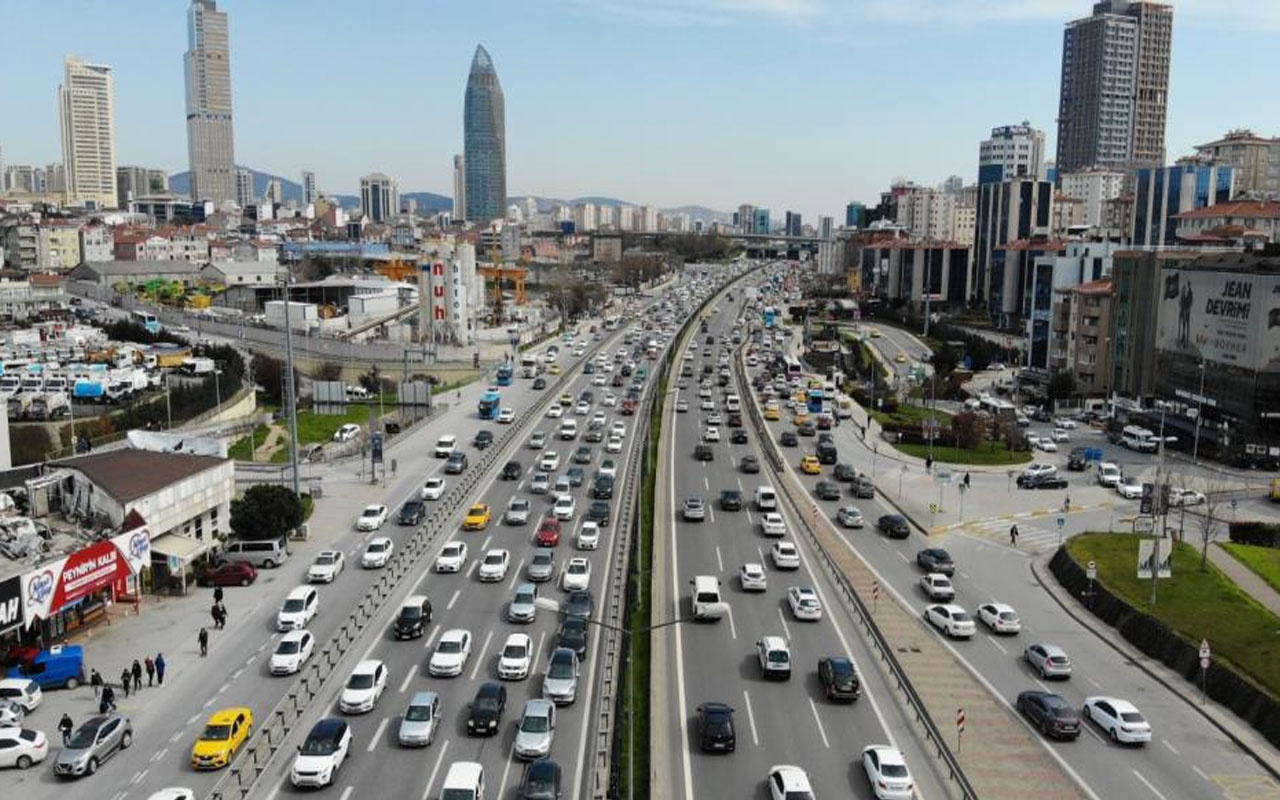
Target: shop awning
(173,546)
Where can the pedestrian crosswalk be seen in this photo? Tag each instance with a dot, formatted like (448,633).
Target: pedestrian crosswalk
(1032,537)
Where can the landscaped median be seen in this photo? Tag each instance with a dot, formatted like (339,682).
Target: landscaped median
(1261,561)
(1192,605)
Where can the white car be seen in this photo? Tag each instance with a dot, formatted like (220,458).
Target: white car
(598,380)
(599,419)
(707,404)
(1060,435)
(785,555)
(1109,474)
(550,461)
(682,406)
(582,409)
(540,484)
(711,435)
(789,783)
(326,567)
(614,445)
(608,469)
(372,518)
(377,553)
(951,619)
(772,524)
(1179,497)
(576,574)
(452,557)
(506,415)
(937,586)
(538,440)
(494,565)
(887,773)
(292,651)
(1129,487)
(451,653)
(752,577)
(21,747)
(1119,718)
(1046,445)
(565,508)
(1065,422)
(514,657)
(364,686)
(850,517)
(1039,470)
(804,603)
(610,399)
(618,428)
(346,433)
(433,489)
(588,536)
(1000,618)
(322,754)
(555,411)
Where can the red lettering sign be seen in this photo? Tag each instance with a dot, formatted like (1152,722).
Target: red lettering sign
(88,570)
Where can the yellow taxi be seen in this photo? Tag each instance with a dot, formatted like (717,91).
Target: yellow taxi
(221,738)
(554,369)
(771,412)
(802,415)
(810,465)
(477,518)
(875,334)
(901,358)
(566,400)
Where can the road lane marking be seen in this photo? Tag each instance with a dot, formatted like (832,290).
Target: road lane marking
(453,599)
(159,755)
(711,513)
(193,719)
(750,519)
(901,556)
(404,684)
(431,636)
(487,539)
(1172,749)
(681,704)
(1147,783)
(480,658)
(506,771)
(1092,732)
(1096,685)
(137,778)
(176,736)
(751,719)
(472,569)
(821,730)
(537,652)
(996,644)
(377,734)
(719,560)
(1200,772)
(519,569)
(785,629)
(347,792)
(237,673)
(733,629)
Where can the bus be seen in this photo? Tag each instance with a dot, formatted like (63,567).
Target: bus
(793,370)
(770,314)
(1139,438)
(505,371)
(147,320)
(530,366)
(814,401)
(490,403)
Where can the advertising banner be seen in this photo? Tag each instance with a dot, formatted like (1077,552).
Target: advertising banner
(1229,318)
(10,604)
(57,584)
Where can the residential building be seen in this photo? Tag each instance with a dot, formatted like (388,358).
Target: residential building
(1079,345)
(190,245)
(1093,187)
(927,214)
(19,178)
(244,188)
(1013,151)
(626,218)
(380,197)
(97,242)
(954,184)
(530,207)
(584,217)
(1254,159)
(1161,194)
(1016,210)
(1059,266)
(649,221)
(274,193)
(86,101)
(606,248)
(484,142)
(309,193)
(55,179)
(826,227)
(1068,215)
(210,140)
(1232,224)
(23,295)
(964,218)
(43,246)
(745,219)
(1114,87)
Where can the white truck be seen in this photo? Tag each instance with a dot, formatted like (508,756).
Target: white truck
(198,366)
(51,405)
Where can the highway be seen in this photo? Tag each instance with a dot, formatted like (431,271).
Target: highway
(788,722)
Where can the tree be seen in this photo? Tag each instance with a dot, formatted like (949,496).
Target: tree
(1061,385)
(969,429)
(944,361)
(266,511)
(328,371)
(1210,513)
(269,373)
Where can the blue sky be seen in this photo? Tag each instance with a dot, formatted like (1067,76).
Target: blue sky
(791,104)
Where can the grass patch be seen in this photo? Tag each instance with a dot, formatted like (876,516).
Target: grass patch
(1198,604)
(1263,561)
(952,455)
(313,427)
(911,415)
(242,448)
(308,505)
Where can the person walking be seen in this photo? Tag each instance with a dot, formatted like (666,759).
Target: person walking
(217,594)
(65,725)
(203,639)
(151,670)
(108,701)
(966,480)
(95,680)
(160,669)
(213,612)
(125,679)
(137,676)
(928,465)
(1013,536)
(222,614)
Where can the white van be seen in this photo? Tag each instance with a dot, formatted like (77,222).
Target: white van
(706,597)
(259,552)
(1108,474)
(766,498)
(732,404)
(569,429)
(445,445)
(464,781)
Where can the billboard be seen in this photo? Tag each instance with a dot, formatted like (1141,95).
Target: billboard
(1229,318)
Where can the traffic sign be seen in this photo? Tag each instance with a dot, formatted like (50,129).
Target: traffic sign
(1204,648)
(875,590)
(933,508)
(960,720)
(1061,520)
(1204,663)
(1234,503)
(1091,570)
(1143,524)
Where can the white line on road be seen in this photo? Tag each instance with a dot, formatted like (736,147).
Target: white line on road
(537,650)
(382,726)
(733,629)
(1147,783)
(347,792)
(750,519)
(901,556)
(472,569)
(444,748)
(996,644)
(487,539)
(159,755)
(137,778)
(176,736)
(821,730)
(518,572)
(751,719)
(740,485)
(1089,729)
(404,684)
(237,673)
(453,599)
(480,658)
(711,514)
(1200,772)
(706,483)
(1043,688)
(431,637)
(1172,749)
(193,719)
(223,688)
(719,560)
(785,629)
(506,771)
(964,575)
(1096,685)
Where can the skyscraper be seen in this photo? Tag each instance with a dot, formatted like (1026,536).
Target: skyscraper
(459,187)
(244,188)
(86,104)
(308,188)
(379,197)
(1115,86)
(484,142)
(207,65)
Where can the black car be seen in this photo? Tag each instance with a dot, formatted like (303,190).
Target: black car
(511,471)
(594,435)
(411,513)
(456,463)
(844,473)
(573,635)
(589,368)
(391,427)
(599,513)
(739,436)
(827,490)
(788,439)
(486,710)
(575,475)
(894,526)
(734,420)
(806,429)
(715,728)
(603,488)
(703,452)
(1041,482)
(839,678)
(826,453)
(1076,460)
(826,438)
(863,488)
(1053,715)
(731,500)
(617,380)
(539,383)
(935,559)
(541,781)
(749,465)
(483,439)
(413,619)
(579,603)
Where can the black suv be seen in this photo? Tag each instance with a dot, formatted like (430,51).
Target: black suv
(844,472)
(603,488)
(827,490)
(894,526)
(1076,461)
(935,559)
(731,500)
(806,429)
(573,635)
(739,436)
(539,383)
(715,728)
(839,678)
(863,488)
(411,513)
(486,709)
(703,452)
(1041,482)
(511,471)
(599,513)
(413,619)
(483,439)
(1053,715)
(749,465)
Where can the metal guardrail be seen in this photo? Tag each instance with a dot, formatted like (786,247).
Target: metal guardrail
(240,779)
(811,517)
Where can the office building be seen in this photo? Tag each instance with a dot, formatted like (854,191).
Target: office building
(826,227)
(309,194)
(894,268)
(1114,87)
(274,193)
(927,214)
(1254,159)
(791,225)
(1013,151)
(380,197)
(207,67)
(484,142)
(1013,211)
(1093,187)
(1162,194)
(87,108)
(855,215)
(244,188)
(1055,268)
(1135,297)
(761,224)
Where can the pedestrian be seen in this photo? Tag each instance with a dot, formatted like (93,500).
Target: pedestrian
(217,594)
(95,680)
(108,702)
(137,676)
(160,669)
(966,480)
(151,670)
(928,465)
(203,638)
(65,726)
(126,678)
(213,612)
(1013,535)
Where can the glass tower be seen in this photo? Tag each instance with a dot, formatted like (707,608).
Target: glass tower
(485,142)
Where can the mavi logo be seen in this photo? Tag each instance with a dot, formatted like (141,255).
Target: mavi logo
(40,587)
(139,545)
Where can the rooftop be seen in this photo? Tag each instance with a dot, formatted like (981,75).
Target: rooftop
(130,474)
(1242,209)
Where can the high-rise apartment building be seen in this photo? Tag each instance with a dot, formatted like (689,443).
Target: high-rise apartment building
(649,219)
(1115,87)
(927,214)
(459,187)
(207,64)
(309,193)
(274,193)
(380,197)
(1254,159)
(86,104)
(745,218)
(19,178)
(792,223)
(244,188)
(484,142)
(826,225)
(55,179)
(1013,151)
(1093,187)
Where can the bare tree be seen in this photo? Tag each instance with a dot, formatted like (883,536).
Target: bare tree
(1215,495)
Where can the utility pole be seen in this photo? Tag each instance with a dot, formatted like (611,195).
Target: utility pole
(291,399)
(1195,449)
(1164,513)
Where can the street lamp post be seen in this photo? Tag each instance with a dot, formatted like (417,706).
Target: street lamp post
(1195,448)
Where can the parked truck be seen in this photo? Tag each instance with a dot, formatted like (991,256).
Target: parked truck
(51,405)
(18,405)
(198,366)
(90,390)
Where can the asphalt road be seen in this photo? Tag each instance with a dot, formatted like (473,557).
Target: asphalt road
(776,722)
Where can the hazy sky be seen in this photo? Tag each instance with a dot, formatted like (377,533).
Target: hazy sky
(790,104)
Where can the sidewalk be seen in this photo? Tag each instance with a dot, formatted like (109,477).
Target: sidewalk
(1246,579)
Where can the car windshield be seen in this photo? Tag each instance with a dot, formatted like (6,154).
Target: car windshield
(487,702)
(319,746)
(418,714)
(577,569)
(377,547)
(410,612)
(360,680)
(841,671)
(535,723)
(324,559)
(288,647)
(493,559)
(83,738)
(541,559)
(292,605)
(523,598)
(216,732)
(893,770)
(450,646)
(369,512)
(560,668)
(452,550)
(514,651)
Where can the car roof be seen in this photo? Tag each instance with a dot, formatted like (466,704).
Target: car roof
(887,755)
(225,715)
(328,728)
(299,592)
(368,665)
(518,638)
(773,642)
(464,773)
(1116,703)
(715,709)
(538,707)
(454,633)
(793,778)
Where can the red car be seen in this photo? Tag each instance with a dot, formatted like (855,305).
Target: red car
(233,573)
(549,532)
(628,407)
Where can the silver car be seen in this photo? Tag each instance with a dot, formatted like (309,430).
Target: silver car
(96,741)
(522,607)
(560,685)
(418,724)
(517,511)
(1049,660)
(542,567)
(536,729)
